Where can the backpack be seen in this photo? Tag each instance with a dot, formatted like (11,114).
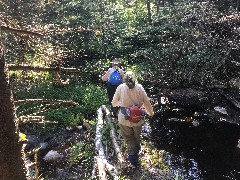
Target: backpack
(115,78)
(133,113)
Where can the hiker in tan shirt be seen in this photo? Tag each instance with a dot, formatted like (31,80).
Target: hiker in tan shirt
(127,94)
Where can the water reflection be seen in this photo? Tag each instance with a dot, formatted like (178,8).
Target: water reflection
(182,167)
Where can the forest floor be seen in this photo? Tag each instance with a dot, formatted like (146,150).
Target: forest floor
(72,166)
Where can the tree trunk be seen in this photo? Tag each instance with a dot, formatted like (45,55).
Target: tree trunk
(149,11)
(11,156)
(158,5)
(238,5)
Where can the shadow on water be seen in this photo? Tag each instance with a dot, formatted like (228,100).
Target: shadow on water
(204,151)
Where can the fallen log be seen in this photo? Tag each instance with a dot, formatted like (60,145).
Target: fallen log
(101,169)
(94,168)
(42,68)
(34,119)
(20,31)
(55,70)
(114,139)
(46,101)
(101,158)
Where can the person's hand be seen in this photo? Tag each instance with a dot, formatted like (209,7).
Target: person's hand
(149,116)
(104,73)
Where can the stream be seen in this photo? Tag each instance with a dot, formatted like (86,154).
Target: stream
(203,150)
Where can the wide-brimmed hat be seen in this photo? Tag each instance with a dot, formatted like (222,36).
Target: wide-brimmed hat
(115,61)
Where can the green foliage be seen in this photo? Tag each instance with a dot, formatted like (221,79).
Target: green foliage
(106,140)
(89,98)
(154,157)
(87,31)
(182,46)
(81,152)
(188,43)
(93,98)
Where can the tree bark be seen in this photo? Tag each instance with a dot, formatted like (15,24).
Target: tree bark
(11,155)
(158,5)
(238,5)
(149,11)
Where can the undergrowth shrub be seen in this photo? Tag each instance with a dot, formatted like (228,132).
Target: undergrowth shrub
(89,98)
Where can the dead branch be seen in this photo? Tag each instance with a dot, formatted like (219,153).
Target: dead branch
(235,63)
(205,10)
(14,67)
(101,163)
(233,100)
(37,119)
(47,101)
(56,70)
(34,119)
(20,31)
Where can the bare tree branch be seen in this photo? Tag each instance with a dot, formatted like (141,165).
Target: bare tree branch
(46,101)
(20,31)
(41,68)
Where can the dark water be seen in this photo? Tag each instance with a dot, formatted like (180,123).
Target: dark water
(203,151)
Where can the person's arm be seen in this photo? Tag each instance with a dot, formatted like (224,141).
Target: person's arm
(147,104)
(106,75)
(121,72)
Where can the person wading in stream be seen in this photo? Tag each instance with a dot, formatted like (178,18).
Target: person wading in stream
(130,94)
(113,76)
